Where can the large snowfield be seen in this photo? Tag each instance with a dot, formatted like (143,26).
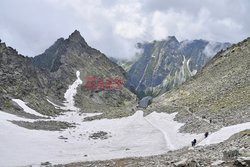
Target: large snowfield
(131,136)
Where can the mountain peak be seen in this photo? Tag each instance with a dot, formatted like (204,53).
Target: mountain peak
(76,33)
(172,38)
(77,37)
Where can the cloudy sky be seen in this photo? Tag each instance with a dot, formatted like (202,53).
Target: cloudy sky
(114,26)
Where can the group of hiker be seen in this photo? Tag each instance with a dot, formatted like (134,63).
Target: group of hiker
(195,141)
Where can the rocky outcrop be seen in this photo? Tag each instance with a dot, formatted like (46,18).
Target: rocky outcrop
(20,79)
(216,96)
(48,76)
(65,57)
(163,65)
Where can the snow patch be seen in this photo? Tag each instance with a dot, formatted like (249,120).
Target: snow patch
(55,105)
(69,103)
(224,134)
(218,162)
(188,66)
(26,109)
(170,129)
(131,136)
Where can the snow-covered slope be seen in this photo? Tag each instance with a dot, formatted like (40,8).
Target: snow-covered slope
(170,129)
(131,136)
(224,133)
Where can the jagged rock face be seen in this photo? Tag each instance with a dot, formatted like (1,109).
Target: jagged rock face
(166,64)
(67,56)
(20,79)
(48,76)
(15,70)
(219,92)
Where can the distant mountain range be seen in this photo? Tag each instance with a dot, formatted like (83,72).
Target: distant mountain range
(162,65)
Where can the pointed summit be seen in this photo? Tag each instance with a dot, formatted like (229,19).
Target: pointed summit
(76,37)
(76,33)
(172,38)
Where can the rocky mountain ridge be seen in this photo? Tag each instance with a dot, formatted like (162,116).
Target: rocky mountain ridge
(69,55)
(20,79)
(163,65)
(216,96)
(47,76)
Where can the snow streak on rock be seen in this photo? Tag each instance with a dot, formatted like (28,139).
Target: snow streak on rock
(69,103)
(142,77)
(70,93)
(26,109)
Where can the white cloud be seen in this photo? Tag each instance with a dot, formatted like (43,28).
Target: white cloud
(129,30)
(115,26)
(159,28)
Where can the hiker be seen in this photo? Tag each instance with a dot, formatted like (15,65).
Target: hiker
(193,142)
(210,121)
(206,135)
